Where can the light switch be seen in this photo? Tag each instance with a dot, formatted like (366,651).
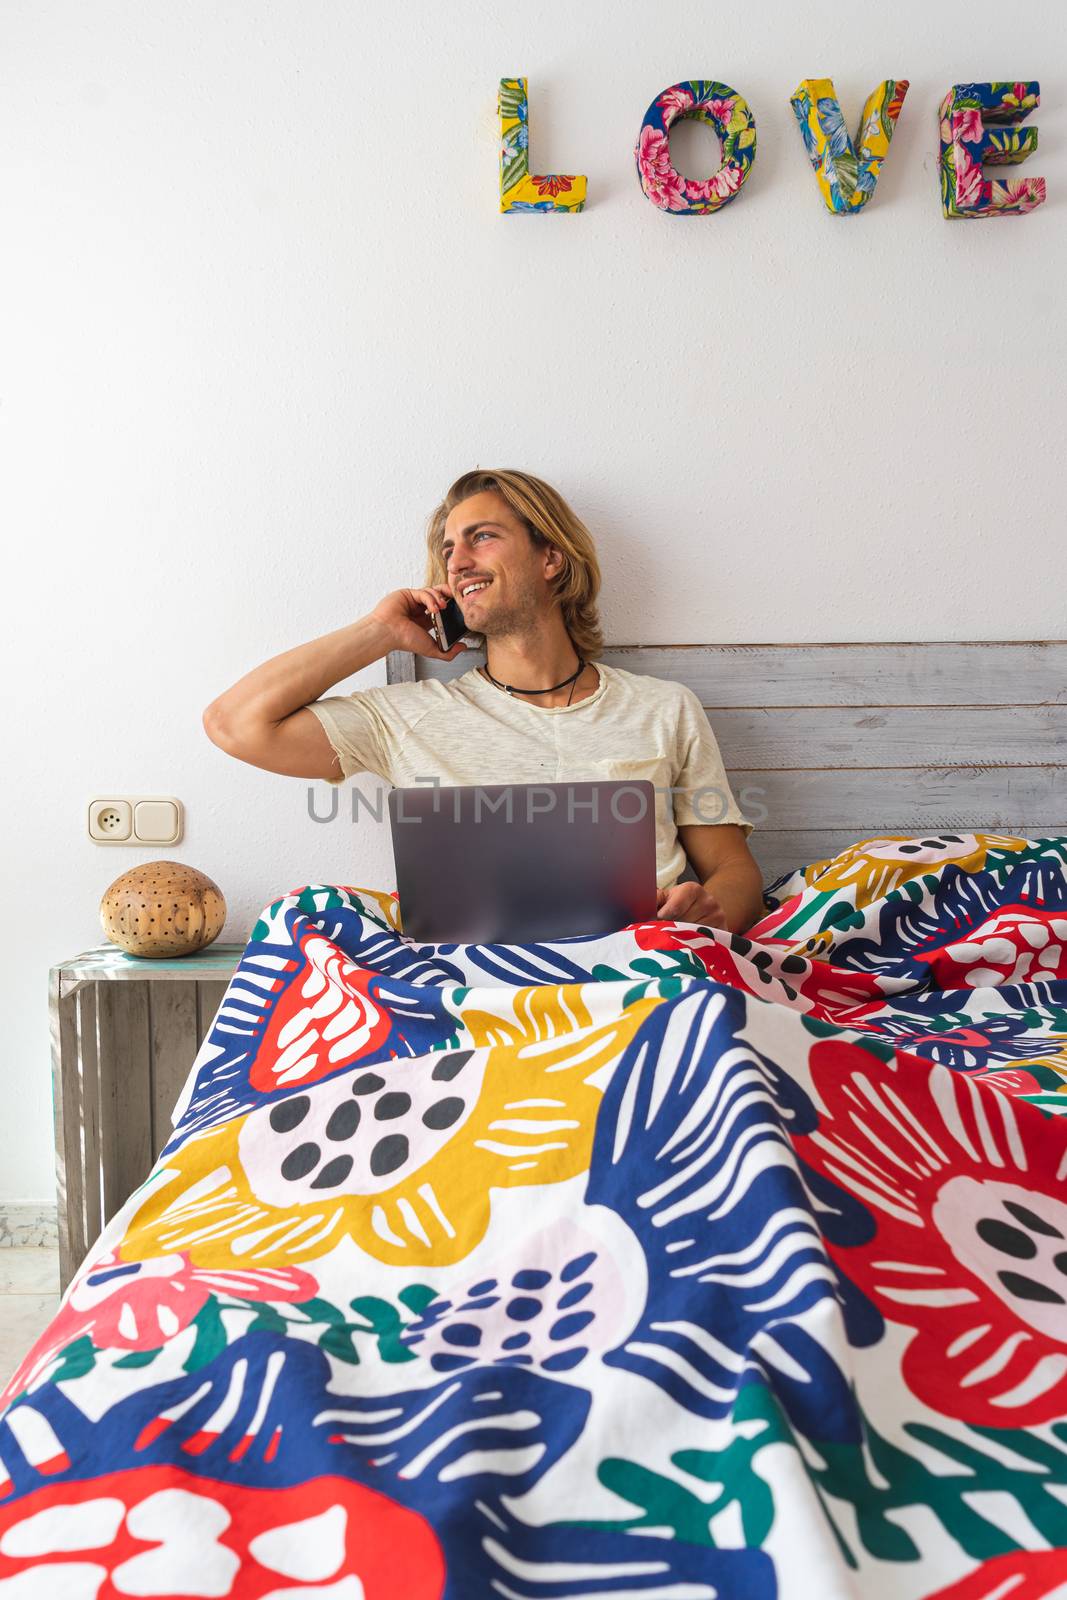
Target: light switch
(157,822)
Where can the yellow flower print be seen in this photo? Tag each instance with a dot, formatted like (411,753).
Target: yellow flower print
(875,867)
(402,1156)
(388,905)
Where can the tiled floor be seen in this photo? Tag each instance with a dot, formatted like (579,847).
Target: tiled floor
(29,1299)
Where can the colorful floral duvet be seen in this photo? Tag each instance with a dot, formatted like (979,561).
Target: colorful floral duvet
(667,1265)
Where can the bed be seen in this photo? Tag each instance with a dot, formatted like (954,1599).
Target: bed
(669,1264)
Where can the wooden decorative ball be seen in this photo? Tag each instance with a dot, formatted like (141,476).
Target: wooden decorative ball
(162,908)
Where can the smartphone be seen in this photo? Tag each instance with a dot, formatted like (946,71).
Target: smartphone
(447,625)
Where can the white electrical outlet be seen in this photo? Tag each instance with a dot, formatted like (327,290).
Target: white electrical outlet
(110,821)
(136,819)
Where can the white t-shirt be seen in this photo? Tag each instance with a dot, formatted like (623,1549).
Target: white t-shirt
(467,731)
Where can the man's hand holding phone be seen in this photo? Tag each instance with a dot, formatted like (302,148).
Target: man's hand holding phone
(414,616)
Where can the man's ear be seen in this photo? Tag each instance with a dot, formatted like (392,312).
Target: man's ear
(554,561)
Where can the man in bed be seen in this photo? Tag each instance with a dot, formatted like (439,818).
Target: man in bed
(542,709)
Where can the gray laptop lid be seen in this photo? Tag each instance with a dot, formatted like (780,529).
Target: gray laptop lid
(505,863)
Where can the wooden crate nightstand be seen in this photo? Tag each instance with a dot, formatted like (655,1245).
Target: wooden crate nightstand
(125,1032)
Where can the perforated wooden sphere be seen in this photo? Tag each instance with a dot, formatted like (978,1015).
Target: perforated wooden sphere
(162,908)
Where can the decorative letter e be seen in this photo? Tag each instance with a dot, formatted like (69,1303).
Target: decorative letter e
(965,144)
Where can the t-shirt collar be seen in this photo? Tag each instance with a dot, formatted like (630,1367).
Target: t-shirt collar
(518,699)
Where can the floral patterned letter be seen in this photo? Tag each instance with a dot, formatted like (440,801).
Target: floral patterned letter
(518,190)
(728,114)
(965,144)
(847,173)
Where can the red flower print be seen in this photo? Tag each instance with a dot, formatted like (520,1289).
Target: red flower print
(674,103)
(770,970)
(892,110)
(1016,944)
(667,192)
(326,1019)
(967,124)
(969,180)
(1011,1080)
(139,1305)
(653,154)
(966,1185)
(160,1530)
(552,185)
(1022,1574)
(718,187)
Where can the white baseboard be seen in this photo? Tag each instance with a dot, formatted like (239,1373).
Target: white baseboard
(28,1222)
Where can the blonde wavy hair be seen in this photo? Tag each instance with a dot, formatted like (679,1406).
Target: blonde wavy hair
(549,520)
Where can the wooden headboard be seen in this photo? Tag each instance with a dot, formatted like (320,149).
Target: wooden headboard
(838,742)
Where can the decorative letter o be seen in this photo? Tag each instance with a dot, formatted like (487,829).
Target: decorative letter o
(728,114)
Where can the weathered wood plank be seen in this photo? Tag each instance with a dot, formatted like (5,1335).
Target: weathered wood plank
(892,736)
(66,1114)
(906,799)
(107,963)
(109,1023)
(125,1091)
(89,1073)
(782,852)
(1032,672)
(917,674)
(175,1039)
(400,666)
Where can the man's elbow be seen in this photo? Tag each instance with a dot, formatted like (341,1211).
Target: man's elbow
(218,725)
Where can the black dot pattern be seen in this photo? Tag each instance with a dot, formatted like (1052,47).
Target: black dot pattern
(344,1120)
(364,1127)
(1030,1289)
(368,1083)
(449,1066)
(1031,1220)
(444,1113)
(333,1173)
(388,1154)
(1024,1243)
(289,1114)
(1002,1236)
(391,1105)
(299,1162)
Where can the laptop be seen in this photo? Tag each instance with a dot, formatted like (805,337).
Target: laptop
(507,863)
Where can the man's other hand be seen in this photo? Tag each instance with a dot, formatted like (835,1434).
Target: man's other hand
(690,902)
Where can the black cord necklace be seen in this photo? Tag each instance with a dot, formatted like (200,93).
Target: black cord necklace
(510,688)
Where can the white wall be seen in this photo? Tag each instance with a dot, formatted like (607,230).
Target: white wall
(260,308)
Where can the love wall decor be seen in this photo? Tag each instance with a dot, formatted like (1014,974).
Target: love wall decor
(978,123)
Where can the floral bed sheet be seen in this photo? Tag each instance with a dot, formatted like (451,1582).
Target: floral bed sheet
(670,1264)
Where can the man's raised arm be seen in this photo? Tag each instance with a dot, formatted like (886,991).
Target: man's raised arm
(263,719)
